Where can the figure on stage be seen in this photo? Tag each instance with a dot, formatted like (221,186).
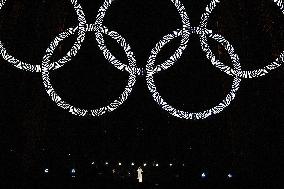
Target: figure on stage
(140,171)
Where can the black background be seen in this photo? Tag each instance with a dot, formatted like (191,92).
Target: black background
(246,139)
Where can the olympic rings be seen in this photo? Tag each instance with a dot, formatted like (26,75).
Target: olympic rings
(55,65)
(151,69)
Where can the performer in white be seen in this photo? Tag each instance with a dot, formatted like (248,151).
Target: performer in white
(140,171)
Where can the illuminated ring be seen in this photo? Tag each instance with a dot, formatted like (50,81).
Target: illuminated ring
(55,65)
(141,71)
(150,72)
(228,70)
(78,111)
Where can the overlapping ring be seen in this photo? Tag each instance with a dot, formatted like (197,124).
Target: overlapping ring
(231,71)
(116,103)
(54,65)
(183,114)
(151,69)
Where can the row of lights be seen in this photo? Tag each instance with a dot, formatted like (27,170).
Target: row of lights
(203,175)
(144,164)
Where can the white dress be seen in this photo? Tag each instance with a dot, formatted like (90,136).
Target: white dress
(140,171)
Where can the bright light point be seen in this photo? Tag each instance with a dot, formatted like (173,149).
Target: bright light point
(157,165)
(132,164)
(93,163)
(230,175)
(46,170)
(171,164)
(145,164)
(119,163)
(106,163)
(203,175)
(73,171)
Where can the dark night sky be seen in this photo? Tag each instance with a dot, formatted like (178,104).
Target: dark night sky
(246,138)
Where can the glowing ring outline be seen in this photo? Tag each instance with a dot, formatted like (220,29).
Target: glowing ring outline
(79,111)
(55,65)
(150,72)
(231,71)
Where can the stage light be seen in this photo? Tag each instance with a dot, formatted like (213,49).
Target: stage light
(46,170)
(132,164)
(145,164)
(157,165)
(106,163)
(203,175)
(230,175)
(119,164)
(171,164)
